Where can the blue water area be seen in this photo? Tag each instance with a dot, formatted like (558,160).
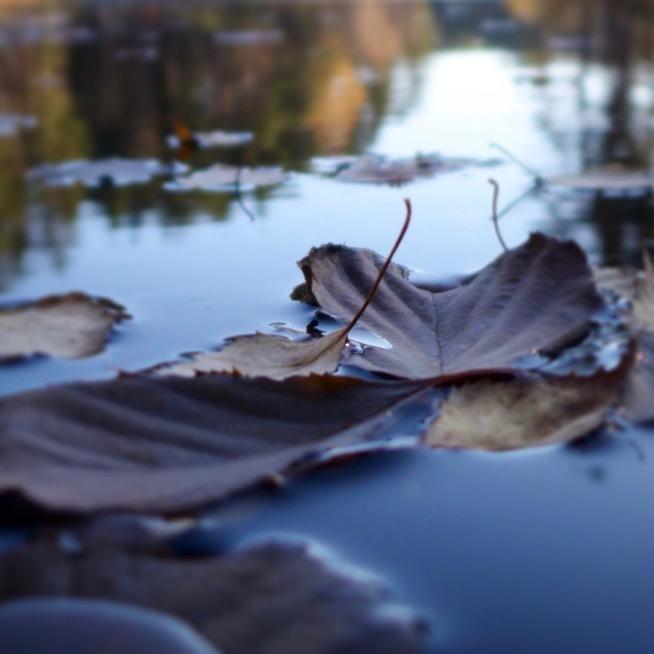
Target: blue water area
(542,551)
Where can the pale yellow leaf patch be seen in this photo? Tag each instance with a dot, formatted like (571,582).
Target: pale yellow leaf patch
(506,415)
(266,355)
(71,326)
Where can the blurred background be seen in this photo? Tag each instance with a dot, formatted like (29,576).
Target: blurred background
(565,85)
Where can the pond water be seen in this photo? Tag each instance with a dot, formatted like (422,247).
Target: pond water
(544,551)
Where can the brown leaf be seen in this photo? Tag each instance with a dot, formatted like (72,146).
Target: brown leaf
(538,297)
(265,355)
(273,598)
(278,357)
(518,413)
(168,445)
(639,397)
(68,326)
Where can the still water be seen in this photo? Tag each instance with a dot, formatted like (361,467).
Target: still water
(545,551)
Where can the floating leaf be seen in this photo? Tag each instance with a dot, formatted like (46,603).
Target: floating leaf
(115,171)
(538,297)
(610,179)
(226,179)
(168,445)
(277,357)
(376,169)
(272,598)
(518,413)
(69,326)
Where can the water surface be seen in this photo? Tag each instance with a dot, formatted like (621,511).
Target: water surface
(542,551)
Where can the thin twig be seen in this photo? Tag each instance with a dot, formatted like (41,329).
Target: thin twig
(538,178)
(496,222)
(384,268)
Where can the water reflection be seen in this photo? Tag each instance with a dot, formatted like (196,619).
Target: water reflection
(565,84)
(105,80)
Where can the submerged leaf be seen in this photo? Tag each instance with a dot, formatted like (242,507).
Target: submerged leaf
(168,445)
(271,598)
(226,179)
(518,413)
(68,326)
(538,297)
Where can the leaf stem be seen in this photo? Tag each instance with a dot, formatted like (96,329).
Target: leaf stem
(384,268)
(496,222)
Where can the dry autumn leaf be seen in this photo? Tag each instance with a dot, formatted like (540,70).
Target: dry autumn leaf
(168,445)
(69,326)
(538,297)
(519,413)
(277,357)
(265,355)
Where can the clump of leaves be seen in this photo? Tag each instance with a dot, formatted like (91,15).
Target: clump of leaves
(265,406)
